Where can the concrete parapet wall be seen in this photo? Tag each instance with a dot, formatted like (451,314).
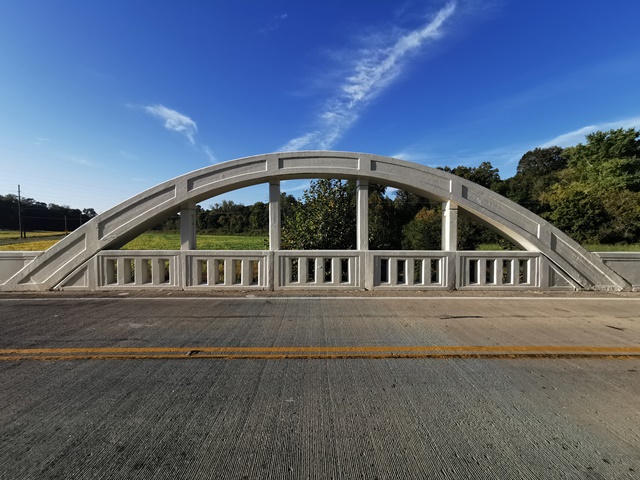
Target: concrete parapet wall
(625,264)
(12,262)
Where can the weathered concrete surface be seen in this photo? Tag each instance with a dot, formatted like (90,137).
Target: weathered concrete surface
(12,262)
(320,418)
(626,264)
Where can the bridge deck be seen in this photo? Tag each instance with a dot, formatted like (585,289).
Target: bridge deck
(127,389)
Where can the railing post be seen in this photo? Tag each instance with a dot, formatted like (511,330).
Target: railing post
(188,227)
(269,266)
(274,216)
(362,215)
(449,226)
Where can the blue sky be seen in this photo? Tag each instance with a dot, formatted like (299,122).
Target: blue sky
(100,100)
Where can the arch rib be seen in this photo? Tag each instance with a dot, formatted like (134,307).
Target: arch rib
(132,217)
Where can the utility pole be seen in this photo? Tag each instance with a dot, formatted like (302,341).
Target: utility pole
(20,215)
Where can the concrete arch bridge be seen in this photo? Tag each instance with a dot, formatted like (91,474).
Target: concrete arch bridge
(89,259)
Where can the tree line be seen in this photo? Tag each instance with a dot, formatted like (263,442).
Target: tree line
(40,216)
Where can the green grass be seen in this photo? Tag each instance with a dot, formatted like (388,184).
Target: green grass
(35,246)
(164,241)
(634,247)
(490,246)
(11,234)
(171,241)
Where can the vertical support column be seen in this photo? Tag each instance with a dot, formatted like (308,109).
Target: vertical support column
(275,228)
(188,227)
(362,215)
(449,226)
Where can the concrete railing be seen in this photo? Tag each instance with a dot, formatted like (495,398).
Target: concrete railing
(138,269)
(321,269)
(499,269)
(221,269)
(328,269)
(181,269)
(410,270)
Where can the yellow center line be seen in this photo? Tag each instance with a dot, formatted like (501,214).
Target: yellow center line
(346,348)
(372,351)
(329,356)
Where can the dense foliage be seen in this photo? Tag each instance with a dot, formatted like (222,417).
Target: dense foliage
(41,216)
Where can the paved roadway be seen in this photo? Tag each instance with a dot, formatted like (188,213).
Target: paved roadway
(275,387)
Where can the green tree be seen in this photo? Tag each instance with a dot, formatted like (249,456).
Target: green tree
(424,231)
(537,171)
(484,174)
(577,212)
(597,196)
(324,219)
(407,205)
(383,221)
(259,216)
(609,160)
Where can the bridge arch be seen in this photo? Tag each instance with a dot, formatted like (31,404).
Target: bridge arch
(125,221)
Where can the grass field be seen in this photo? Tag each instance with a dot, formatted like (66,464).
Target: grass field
(634,247)
(28,246)
(11,234)
(171,241)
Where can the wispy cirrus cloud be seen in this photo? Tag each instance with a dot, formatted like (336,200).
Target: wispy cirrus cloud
(577,136)
(272,24)
(179,123)
(174,121)
(507,157)
(371,71)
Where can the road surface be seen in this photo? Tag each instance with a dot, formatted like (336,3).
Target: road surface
(276,387)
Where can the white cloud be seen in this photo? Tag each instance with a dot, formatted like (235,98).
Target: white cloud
(208,153)
(272,23)
(179,123)
(411,156)
(372,70)
(174,121)
(578,136)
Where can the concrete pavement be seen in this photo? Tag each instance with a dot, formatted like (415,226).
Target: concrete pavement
(273,387)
